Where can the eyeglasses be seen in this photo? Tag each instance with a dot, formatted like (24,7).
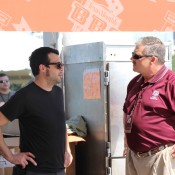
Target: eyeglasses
(136,57)
(59,65)
(4,81)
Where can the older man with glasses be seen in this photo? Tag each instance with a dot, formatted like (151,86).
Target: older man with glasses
(149,112)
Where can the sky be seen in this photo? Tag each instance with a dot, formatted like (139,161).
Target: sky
(17,46)
(15,49)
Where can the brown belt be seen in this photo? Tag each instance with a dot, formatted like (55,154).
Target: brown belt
(153,151)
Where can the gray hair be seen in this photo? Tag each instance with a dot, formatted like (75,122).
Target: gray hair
(153,46)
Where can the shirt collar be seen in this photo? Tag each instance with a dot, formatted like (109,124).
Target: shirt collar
(157,77)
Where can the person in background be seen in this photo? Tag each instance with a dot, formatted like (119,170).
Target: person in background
(11,129)
(5,91)
(149,112)
(39,106)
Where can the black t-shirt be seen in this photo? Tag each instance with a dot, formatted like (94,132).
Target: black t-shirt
(42,125)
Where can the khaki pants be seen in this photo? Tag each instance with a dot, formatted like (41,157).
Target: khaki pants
(159,164)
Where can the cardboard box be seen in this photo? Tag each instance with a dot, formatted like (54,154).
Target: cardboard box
(6,171)
(6,167)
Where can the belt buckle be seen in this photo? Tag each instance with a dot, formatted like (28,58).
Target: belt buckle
(161,148)
(138,154)
(149,153)
(143,154)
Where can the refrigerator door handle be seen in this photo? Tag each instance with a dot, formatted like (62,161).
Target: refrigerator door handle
(108,171)
(106,78)
(108,149)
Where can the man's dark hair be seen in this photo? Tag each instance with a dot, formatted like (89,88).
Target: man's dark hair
(40,56)
(3,75)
